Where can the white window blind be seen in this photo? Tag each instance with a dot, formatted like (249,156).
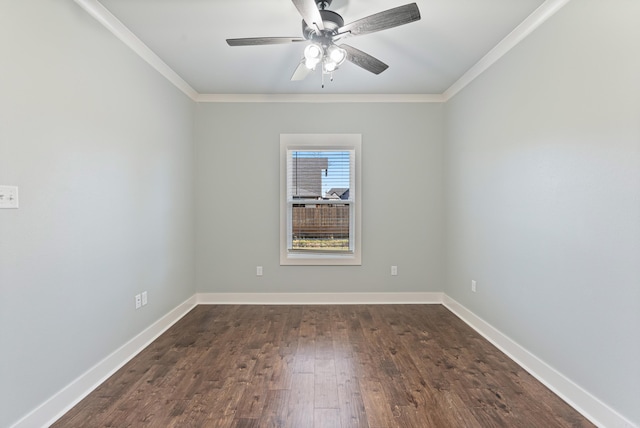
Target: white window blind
(319,195)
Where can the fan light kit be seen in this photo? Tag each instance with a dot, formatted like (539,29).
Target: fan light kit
(332,57)
(324,27)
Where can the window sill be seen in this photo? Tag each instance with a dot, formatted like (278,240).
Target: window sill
(319,259)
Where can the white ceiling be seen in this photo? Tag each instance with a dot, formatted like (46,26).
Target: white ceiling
(424,57)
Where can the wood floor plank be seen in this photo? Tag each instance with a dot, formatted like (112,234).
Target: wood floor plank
(276,409)
(352,410)
(282,372)
(253,400)
(202,410)
(305,355)
(301,406)
(325,385)
(340,333)
(329,418)
(291,329)
(376,404)
(319,366)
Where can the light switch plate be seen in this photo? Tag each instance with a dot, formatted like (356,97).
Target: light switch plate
(8,197)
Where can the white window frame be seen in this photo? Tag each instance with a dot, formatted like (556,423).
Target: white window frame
(333,142)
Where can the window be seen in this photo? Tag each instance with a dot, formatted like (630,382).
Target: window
(320,199)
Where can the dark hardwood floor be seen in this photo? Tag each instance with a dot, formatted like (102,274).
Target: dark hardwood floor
(321,366)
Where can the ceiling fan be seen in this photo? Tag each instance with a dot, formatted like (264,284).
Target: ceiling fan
(323,27)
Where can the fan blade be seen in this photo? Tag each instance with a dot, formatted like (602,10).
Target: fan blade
(310,13)
(364,60)
(301,72)
(381,21)
(250,41)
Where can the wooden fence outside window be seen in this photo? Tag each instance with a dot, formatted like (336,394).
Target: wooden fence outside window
(321,221)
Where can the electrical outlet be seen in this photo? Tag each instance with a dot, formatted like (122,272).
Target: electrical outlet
(144,298)
(394,270)
(8,197)
(473,285)
(258,270)
(138,301)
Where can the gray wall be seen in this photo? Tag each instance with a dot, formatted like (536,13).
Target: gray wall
(101,147)
(237,151)
(541,176)
(542,190)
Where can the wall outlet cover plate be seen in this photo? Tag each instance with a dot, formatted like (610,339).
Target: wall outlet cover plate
(8,197)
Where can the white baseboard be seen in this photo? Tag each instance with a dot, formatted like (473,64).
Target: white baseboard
(318,298)
(56,406)
(585,403)
(589,406)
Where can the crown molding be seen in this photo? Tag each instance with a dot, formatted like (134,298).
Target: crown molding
(113,24)
(545,11)
(319,98)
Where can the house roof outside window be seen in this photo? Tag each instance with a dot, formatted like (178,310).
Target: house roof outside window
(337,193)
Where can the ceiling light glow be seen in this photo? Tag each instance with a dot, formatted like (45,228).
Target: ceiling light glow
(313,54)
(336,54)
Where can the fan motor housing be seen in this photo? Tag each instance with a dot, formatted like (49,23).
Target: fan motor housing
(331,21)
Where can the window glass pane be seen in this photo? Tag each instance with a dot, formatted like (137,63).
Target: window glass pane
(320,227)
(320,176)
